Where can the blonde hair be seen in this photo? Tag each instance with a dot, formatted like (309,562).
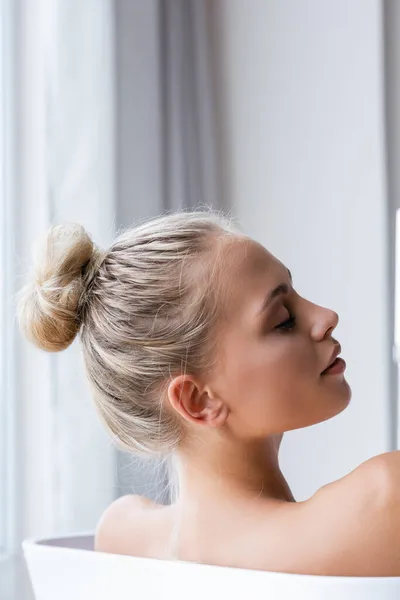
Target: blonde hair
(146,309)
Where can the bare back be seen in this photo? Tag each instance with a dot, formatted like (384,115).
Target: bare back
(339,531)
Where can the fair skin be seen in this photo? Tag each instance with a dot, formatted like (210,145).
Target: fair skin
(267,381)
(235,506)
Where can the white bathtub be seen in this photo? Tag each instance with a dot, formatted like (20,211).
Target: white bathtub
(68,569)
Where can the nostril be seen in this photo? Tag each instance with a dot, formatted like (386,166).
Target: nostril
(329,331)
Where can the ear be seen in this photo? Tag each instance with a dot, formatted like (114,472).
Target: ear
(196,403)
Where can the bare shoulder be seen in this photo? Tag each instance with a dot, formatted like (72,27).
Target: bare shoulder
(122,516)
(379,476)
(384,466)
(359,519)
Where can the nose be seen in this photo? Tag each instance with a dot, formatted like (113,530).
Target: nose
(324,322)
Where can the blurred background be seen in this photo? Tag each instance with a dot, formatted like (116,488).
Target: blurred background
(284,113)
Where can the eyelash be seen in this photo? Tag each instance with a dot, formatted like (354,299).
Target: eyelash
(287,325)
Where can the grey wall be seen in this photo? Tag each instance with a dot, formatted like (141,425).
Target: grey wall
(138,103)
(391,31)
(304,129)
(138,166)
(166,151)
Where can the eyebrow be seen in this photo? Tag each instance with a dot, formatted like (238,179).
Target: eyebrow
(280,289)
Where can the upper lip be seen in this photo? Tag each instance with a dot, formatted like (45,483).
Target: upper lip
(335,353)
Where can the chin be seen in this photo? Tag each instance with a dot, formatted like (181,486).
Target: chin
(347,391)
(335,384)
(340,398)
(333,397)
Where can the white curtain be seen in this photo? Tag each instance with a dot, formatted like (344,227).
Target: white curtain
(65,87)
(113,121)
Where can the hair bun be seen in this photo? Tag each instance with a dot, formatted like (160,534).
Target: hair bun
(48,309)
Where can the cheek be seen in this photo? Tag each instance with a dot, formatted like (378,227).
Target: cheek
(268,369)
(272,384)
(278,359)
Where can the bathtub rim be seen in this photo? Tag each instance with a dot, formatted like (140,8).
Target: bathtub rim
(48,544)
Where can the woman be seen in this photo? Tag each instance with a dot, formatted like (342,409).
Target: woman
(198,348)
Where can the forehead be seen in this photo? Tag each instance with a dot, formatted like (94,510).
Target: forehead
(245,258)
(249,271)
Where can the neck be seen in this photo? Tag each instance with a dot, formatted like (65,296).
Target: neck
(218,469)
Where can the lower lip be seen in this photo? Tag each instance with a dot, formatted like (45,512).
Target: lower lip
(339,366)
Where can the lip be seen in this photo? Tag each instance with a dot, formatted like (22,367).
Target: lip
(336,351)
(338,367)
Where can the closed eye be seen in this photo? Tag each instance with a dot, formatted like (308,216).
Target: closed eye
(286,325)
